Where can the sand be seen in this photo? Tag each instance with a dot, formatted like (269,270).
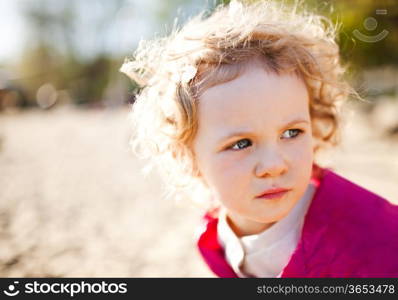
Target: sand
(74,204)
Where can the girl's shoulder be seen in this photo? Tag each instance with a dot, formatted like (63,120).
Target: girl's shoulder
(348,231)
(334,192)
(327,179)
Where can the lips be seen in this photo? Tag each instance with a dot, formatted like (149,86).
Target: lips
(273,193)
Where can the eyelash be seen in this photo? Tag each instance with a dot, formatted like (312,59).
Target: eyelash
(299,132)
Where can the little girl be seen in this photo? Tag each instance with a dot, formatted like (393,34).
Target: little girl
(233,109)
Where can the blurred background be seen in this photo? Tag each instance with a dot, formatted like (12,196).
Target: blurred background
(73,202)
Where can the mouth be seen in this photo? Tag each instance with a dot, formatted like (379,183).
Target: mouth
(273,193)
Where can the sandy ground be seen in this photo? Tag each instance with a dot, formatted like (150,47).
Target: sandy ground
(73,203)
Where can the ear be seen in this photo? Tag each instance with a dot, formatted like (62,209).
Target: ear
(199,175)
(315,145)
(196,170)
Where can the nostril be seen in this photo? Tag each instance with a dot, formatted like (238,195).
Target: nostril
(272,170)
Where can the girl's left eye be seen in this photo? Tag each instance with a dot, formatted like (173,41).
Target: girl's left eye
(292,133)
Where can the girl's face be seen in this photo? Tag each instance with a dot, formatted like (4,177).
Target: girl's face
(255,134)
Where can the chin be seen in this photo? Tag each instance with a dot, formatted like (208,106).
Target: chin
(270,218)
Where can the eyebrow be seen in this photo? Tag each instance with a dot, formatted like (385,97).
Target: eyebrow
(243,132)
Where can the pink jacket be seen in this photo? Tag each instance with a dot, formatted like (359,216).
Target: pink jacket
(347,232)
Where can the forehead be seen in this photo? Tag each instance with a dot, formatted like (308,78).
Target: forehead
(256,97)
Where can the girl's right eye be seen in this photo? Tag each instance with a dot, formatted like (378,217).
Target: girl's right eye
(241,144)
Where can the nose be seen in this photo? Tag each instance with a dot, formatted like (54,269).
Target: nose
(270,163)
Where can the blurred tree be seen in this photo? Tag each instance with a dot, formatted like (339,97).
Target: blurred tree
(68,47)
(352,15)
(377,21)
(70,41)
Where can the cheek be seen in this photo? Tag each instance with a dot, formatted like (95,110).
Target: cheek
(226,177)
(302,151)
(302,160)
(229,169)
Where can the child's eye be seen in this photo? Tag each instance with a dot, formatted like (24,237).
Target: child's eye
(241,144)
(244,143)
(292,133)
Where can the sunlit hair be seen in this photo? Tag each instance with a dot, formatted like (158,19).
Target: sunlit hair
(215,48)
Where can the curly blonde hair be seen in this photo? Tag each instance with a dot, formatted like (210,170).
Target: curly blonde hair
(212,49)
